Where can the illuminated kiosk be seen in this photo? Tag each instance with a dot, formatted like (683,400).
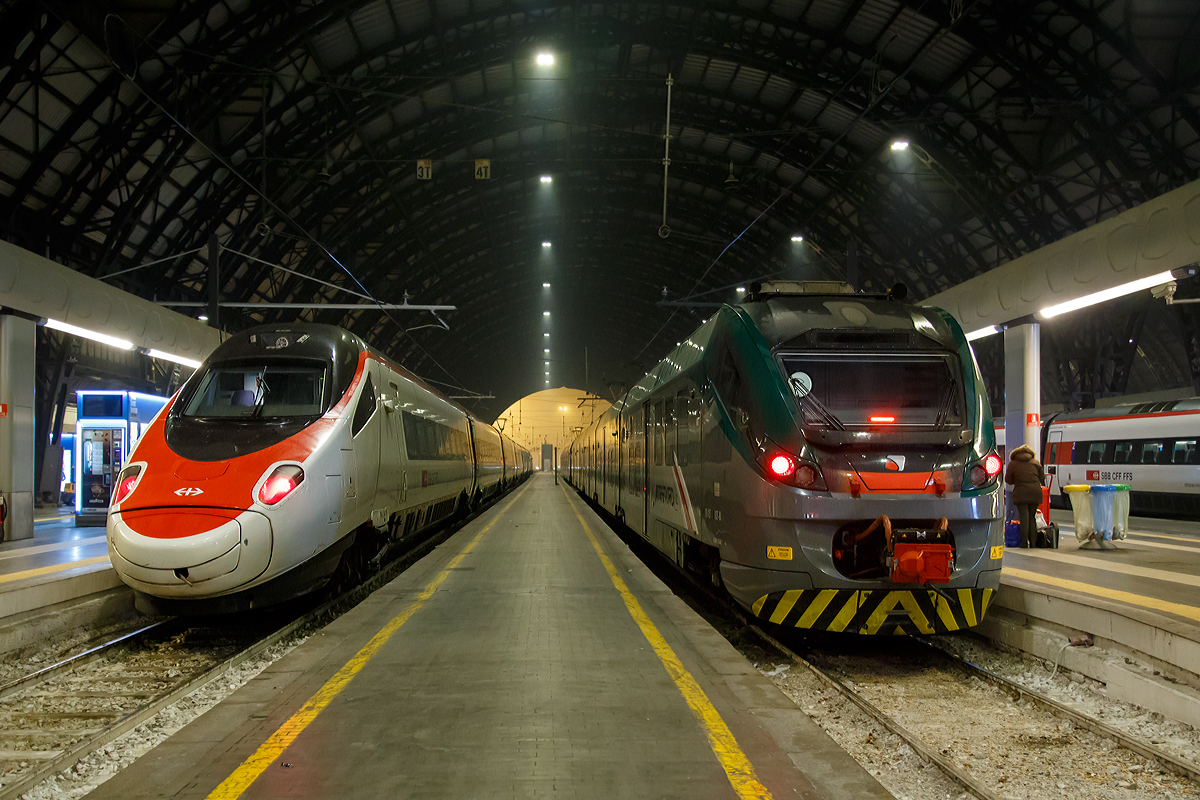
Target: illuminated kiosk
(108,425)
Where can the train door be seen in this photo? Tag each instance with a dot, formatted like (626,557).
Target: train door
(391,446)
(603,434)
(688,433)
(365,429)
(622,457)
(1053,442)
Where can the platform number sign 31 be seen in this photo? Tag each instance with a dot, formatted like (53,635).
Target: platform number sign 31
(483,169)
(424,169)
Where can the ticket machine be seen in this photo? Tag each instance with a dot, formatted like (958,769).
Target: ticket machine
(108,425)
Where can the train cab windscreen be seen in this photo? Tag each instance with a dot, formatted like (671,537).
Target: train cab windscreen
(859,390)
(258,391)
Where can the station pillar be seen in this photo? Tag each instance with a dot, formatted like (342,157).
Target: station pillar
(1023,387)
(18,340)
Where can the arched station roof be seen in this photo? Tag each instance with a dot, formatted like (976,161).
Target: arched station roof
(132,132)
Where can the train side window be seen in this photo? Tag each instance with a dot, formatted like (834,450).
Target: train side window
(1079,454)
(1052,453)
(1095,453)
(1122,451)
(1184,452)
(365,408)
(1150,451)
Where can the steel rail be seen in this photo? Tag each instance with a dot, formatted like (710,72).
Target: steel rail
(912,740)
(1176,764)
(79,659)
(343,602)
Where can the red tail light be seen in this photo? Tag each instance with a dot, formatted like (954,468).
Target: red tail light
(882,418)
(781,466)
(282,482)
(985,471)
(125,483)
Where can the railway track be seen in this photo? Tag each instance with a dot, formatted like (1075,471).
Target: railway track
(923,682)
(52,717)
(918,699)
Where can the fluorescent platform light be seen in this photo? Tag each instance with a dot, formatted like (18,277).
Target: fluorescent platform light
(899,145)
(797,238)
(545,313)
(103,338)
(982,332)
(545,286)
(545,244)
(203,318)
(1107,294)
(547,351)
(187,362)
(741,288)
(546,179)
(545,59)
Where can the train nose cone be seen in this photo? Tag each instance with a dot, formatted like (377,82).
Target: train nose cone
(170,551)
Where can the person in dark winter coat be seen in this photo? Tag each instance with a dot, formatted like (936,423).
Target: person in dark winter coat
(1027,477)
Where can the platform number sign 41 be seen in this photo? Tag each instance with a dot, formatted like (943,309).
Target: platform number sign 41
(424,169)
(483,169)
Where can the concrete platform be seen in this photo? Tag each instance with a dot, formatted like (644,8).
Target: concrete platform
(518,660)
(59,564)
(1140,602)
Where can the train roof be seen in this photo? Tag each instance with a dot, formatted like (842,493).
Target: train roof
(1130,409)
(314,340)
(846,320)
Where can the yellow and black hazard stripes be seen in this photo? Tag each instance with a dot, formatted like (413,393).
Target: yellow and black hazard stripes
(875,611)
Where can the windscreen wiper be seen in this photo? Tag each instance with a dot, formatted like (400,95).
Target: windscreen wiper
(817,407)
(943,414)
(261,400)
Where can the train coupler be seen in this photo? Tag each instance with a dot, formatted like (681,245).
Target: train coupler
(921,556)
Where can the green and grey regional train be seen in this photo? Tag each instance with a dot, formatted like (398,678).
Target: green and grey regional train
(827,457)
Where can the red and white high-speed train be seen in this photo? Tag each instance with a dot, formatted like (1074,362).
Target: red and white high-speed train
(1152,447)
(292,456)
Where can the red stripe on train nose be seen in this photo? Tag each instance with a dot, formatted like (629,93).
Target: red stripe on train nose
(165,523)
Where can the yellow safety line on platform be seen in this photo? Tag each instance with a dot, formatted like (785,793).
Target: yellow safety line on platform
(33,573)
(1190,612)
(237,783)
(737,767)
(1099,563)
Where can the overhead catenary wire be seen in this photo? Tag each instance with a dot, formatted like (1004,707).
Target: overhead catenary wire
(228,164)
(804,173)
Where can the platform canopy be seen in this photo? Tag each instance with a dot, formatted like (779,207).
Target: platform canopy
(508,160)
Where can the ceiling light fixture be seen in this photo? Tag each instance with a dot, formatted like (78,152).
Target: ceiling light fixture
(547,179)
(95,336)
(545,244)
(545,59)
(545,286)
(982,332)
(1107,294)
(545,313)
(899,145)
(797,238)
(187,362)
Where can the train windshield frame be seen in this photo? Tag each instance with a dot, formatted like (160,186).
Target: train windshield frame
(856,390)
(254,389)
